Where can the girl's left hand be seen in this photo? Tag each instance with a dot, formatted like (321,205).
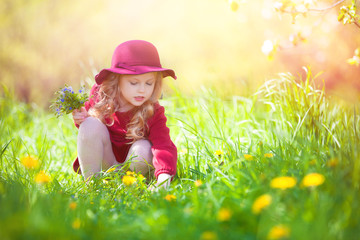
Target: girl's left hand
(162,182)
(80,115)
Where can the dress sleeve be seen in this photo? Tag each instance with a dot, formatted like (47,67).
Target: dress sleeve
(92,99)
(163,149)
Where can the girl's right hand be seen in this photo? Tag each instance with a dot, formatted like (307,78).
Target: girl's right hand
(80,115)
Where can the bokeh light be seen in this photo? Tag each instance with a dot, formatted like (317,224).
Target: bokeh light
(45,44)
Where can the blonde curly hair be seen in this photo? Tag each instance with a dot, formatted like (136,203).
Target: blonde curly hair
(108,101)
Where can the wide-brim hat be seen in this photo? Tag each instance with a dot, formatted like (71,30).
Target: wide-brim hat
(134,57)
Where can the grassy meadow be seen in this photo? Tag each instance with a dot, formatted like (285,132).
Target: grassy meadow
(282,164)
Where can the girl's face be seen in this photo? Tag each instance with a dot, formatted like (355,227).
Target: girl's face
(136,89)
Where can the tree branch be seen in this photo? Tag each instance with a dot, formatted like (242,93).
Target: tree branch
(326,8)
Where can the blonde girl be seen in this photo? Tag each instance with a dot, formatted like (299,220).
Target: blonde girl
(123,119)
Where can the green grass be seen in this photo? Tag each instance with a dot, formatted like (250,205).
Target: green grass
(305,130)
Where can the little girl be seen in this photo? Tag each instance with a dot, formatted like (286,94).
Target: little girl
(123,119)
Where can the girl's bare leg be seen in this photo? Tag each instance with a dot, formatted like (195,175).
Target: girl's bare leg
(94,147)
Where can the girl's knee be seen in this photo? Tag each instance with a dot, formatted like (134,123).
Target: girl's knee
(141,145)
(92,128)
(140,153)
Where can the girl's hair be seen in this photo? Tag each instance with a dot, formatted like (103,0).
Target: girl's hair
(109,101)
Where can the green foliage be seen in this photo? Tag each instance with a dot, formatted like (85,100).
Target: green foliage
(347,14)
(233,147)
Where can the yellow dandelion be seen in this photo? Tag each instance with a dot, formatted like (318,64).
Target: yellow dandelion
(332,162)
(278,232)
(170,198)
(313,179)
(198,183)
(42,177)
(218,153)
(128,180)
(111,169)
(130,173)
(268,155)
(72,205)
(140,176)
(224,214)
(261,202)
(248,157)
(183,151)
(30,162)
(283,182)
(208,235)
(312,162)
(76,224)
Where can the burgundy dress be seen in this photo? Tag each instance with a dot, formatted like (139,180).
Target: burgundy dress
(163,149)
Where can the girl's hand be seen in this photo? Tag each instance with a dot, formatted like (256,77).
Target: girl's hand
(80,115)
(162,182)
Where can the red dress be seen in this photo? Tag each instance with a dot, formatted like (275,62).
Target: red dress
(163,149)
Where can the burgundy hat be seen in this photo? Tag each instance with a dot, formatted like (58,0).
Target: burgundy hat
(134,57)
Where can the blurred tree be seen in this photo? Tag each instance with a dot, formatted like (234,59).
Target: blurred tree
(296,8)
(329,45)
(36,46)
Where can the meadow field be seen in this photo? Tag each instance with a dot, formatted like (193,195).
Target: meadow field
(281,164)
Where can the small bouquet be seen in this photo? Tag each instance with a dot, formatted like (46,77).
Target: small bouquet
(67,100)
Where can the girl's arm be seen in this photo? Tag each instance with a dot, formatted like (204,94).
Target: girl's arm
(163,149)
